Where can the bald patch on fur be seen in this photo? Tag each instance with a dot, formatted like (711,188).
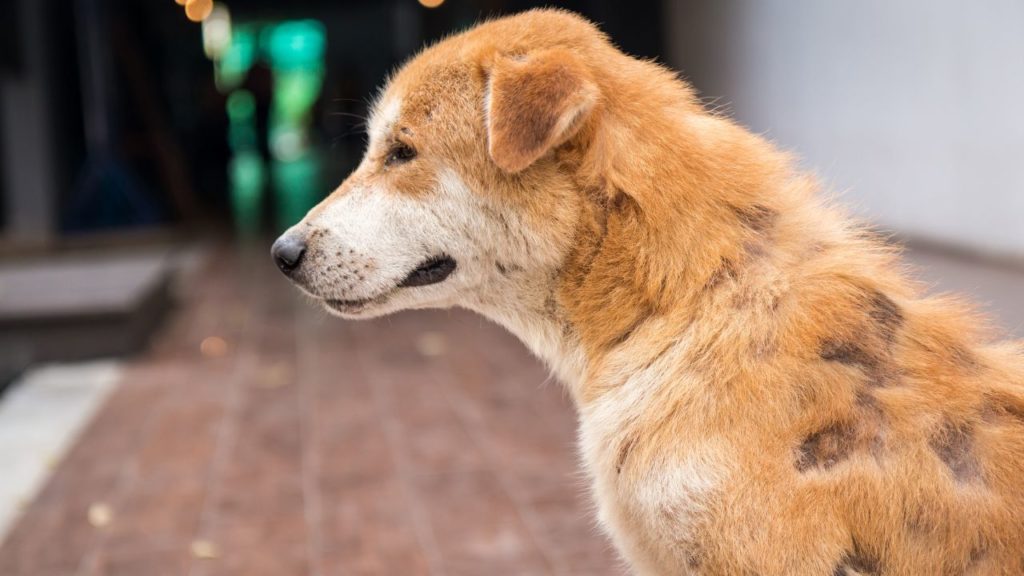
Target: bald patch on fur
(953,443)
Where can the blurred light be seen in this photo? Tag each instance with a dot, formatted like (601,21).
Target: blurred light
(204,549)
(198,10)
(213,347)
(295,44)
(296,91)
(180,2)
(275,376)
(217,32)
(241,106)
(237,59)
(431,344)
(431,3)
(287,143)
(247,176)
(297,188)
(100,515)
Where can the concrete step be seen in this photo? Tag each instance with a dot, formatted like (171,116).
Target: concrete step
(74,307)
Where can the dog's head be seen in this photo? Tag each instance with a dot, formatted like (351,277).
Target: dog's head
(459,194)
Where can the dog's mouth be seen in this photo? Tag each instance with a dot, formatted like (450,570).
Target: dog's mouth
(434,270)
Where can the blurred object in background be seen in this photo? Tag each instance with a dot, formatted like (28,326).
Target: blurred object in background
(207,115)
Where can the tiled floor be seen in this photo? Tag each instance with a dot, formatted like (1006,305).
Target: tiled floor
(261,437)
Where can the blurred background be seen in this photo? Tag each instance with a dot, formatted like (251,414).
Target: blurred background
(169,405)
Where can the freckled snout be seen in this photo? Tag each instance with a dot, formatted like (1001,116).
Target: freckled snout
(288,252)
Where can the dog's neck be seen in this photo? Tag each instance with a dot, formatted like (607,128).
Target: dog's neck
(651,240)
(529,308)
(673,201)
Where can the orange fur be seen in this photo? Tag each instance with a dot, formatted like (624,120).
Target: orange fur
(761,390)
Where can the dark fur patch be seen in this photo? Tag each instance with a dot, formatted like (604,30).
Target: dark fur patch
(872,424)
(664,349)
(1015,412)
(645,314)
(858,563)
(826,448)
(623,202)
(865,431)
(996,408)
(757,218)
(886,314)
(590,242)
(725,271)
(954,445)
(755,250)
(624,451)
(693,558)
(920,520)
(965,359)
(849,353)
(978,554)
(872,351)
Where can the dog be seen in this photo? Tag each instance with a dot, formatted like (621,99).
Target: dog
(760,388)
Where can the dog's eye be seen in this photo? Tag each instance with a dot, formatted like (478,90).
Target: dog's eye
(399,153)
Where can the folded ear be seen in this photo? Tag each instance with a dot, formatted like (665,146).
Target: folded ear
(534,104)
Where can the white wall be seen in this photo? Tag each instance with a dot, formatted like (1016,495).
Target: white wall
(913,108)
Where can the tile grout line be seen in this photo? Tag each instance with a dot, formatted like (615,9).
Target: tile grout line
(225,445)
(421,523)
(308,432)
(226,438)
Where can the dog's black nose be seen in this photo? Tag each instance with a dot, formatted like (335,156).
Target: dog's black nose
(288,251)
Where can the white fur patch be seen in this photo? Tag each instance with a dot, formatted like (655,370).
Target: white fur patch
(383,117)
(671,496)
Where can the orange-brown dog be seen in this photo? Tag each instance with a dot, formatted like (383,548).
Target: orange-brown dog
(760,389)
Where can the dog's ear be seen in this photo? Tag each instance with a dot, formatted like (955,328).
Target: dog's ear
(535,103)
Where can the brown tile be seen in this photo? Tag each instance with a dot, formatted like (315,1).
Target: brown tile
(258,527)
(183,437)
(410,394)
(369,529)
(49,540)
(155,512)
(170,559)
(271,559)
(477,528)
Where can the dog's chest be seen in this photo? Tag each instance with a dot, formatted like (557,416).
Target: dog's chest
(652,499)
